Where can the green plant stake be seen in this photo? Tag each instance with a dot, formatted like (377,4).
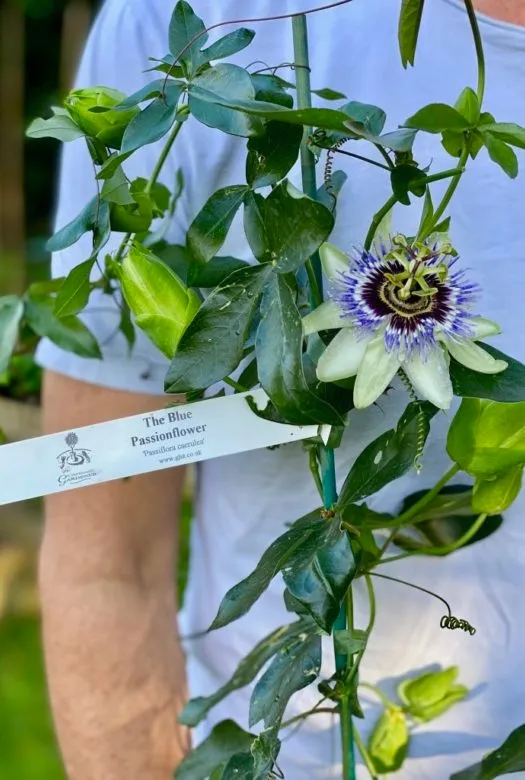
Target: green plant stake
(326,455)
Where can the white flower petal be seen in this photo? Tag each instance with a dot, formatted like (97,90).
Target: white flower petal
(376,371)
(334,261)
(342,357)
(483,328)
(429,375)
(327,316)
(475,357)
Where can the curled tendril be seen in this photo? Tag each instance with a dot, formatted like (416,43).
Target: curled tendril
(447,621)
(453,623)
(329,169)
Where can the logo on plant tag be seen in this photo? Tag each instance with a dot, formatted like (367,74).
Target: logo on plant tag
(73,459)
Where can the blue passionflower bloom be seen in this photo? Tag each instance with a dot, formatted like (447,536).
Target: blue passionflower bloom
(400,306)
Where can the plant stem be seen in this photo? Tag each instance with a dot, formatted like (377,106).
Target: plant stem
(449,194)
(163,156)
(152,180)
(347,738)
(304,100)
(378,692)
(378,218)
(480,54)
(365,755)
(314,711)
(443,175)
(412,511)
(361,157)
(326,455)
(449,548)
(384,154)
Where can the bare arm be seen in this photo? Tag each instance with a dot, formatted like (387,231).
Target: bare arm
(114,665)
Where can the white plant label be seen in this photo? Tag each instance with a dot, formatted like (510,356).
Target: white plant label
(186,433)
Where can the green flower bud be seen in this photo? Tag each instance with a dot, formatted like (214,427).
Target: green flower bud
(431,694)
(129,219)
(162,304)
(107,126)
(389,740)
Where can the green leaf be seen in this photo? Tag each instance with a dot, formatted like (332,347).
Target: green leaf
(239,599)
(349,642)
(149,91)
(271,156)
(73,295)
(399,141)
(265,749)
(239,767)
(68,333)
(404,179)
(94,216)
(501,154)
(116,189)
(437,117)
(271,89)
(453,142)
(208,231)
(187,36)
(150,125)
(329,94)
(211,94)
(59,126)
(250,666)
(429,695)
(288,673)
(389,740)
(487,437)
(278,348)
(427,214)
(408,30)
(324,118)
(445,520)
(212,346)
(110,165)
(215,272)
(230,44)
(468,106)
(226,740)
(365,119)
(388,457)
(508,758)
(494,495)
(506,387)
(126,326)
(327,195)
(11,311)
(286,228)
(508,132)
(319,578)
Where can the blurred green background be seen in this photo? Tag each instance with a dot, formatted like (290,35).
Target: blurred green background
(40,41)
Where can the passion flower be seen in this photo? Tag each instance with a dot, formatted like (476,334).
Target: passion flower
(401,306)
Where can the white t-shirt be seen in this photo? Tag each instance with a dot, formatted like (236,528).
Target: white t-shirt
(245,501)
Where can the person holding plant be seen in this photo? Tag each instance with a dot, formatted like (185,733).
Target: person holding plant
(113,655)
